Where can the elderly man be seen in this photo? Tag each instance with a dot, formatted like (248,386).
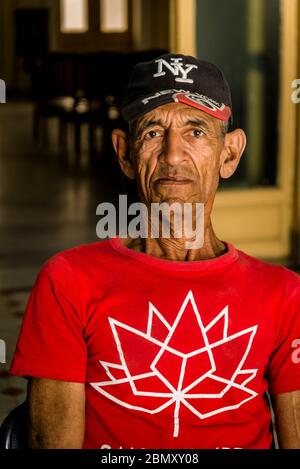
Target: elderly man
(146,342)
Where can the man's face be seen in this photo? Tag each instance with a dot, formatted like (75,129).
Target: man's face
(176,155)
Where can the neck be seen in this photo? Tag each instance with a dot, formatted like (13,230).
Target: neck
(175,249)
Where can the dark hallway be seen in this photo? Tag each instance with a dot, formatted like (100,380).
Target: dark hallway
(47,201)
(47,204)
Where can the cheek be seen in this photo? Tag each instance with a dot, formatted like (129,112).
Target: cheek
(146,164)
(206,160)
(207,166)
(147,160)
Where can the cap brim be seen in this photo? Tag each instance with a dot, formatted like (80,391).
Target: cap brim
(219,111)
(138,108)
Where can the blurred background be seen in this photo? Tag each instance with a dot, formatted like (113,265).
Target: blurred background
(66,64)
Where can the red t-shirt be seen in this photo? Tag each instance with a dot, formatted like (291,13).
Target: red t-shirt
(173,354)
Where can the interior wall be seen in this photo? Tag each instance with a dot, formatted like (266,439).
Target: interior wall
(1,40)
(149,29)
(7,34)
(93,39)
(296,206)
(8,41)
(150,24)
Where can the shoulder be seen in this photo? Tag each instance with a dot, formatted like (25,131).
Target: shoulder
(77,258)
(81,252)
(270,273)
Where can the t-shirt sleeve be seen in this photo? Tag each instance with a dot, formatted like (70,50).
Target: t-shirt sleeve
(51,343)
(284,365)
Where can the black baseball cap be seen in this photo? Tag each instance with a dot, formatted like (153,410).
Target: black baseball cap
(177,78)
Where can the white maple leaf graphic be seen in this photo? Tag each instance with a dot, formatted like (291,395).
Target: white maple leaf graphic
(159,367)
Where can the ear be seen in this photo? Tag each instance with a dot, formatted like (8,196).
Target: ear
(121,146)
(234,146)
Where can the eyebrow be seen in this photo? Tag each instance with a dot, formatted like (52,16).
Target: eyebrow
(198,123)
(151,122)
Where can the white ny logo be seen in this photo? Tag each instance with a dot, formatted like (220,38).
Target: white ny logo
(175,67)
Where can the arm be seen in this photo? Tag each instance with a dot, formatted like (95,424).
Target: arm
(56,414)
(287,419)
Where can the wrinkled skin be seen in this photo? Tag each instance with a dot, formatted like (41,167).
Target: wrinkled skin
(177,154)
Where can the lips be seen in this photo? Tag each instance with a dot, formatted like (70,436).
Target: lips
(177,180)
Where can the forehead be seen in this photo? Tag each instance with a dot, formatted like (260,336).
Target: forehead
(177,113)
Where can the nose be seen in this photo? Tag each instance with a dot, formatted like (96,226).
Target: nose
(173,151)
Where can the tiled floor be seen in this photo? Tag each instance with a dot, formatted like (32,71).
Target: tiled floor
(47,203)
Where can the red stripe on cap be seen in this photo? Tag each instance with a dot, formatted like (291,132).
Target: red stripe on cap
(223,113)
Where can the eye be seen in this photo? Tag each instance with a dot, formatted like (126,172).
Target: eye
(152,134)
(197,133)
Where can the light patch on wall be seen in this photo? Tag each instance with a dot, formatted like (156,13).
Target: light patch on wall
(113,16)
(74,16)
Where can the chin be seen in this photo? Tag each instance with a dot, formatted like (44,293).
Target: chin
(172,200)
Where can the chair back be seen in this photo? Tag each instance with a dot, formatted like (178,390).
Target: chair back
(13,431)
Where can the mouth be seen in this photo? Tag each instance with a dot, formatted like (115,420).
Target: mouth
(177,180)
